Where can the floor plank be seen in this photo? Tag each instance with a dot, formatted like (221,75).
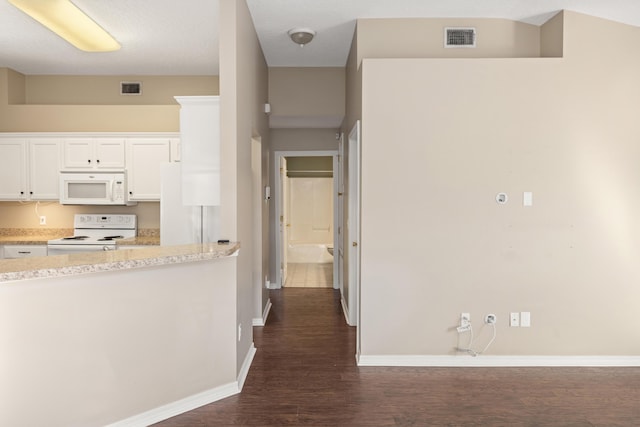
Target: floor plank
(304,373)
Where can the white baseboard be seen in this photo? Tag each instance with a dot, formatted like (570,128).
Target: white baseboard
(261,322)
(345,310)
(500,361)
(179,407)
(244,370)
(192,402)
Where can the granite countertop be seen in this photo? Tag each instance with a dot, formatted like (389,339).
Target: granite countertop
(93,262)
(40,236)
(139,241)
(32,236)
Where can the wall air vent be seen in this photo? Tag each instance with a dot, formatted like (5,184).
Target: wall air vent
(130,88)
(459,37)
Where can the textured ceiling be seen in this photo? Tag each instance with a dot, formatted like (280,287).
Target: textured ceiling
(171,37)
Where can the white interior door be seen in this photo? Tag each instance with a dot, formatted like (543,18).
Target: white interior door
(354,225)
(284,219)
(338,243)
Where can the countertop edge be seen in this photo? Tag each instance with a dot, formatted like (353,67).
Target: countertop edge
(131,259)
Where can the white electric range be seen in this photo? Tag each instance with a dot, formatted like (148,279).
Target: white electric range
(93,232)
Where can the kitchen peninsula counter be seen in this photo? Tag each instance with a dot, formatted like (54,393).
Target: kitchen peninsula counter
(94,262)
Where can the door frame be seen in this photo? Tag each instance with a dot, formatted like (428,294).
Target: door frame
(280,245)
(353,224)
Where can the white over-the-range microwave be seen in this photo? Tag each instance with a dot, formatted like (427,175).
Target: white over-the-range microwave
(94,188)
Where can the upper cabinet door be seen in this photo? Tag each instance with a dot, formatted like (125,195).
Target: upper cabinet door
(144,157)
(93,153)
(13,169)
(44,169)
(78,154)
(109,153)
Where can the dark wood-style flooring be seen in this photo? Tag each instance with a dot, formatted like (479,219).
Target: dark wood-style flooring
(304,373)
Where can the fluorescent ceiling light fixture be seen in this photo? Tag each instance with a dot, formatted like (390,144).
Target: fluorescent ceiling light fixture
(66,20)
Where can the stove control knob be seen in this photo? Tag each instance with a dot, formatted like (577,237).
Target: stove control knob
(106,248)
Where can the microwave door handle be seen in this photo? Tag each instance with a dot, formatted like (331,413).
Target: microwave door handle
(113,183)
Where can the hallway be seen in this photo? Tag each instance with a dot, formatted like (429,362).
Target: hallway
(309,275)
(304,373)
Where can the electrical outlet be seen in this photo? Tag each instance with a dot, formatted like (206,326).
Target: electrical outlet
(464,328)
(465,319)
(514,320)
(43,220)
(490,319)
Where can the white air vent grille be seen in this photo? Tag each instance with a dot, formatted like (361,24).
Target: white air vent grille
(130,88)
(459,37)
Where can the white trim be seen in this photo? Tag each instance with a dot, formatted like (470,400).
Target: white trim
(499,361)
(181,406)
(262,321)
(90,134)
(345,310)
(278,200)
(244,369)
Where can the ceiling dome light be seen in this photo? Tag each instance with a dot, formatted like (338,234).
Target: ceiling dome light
(301,36)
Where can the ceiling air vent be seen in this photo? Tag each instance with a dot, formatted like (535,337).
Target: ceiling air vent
(130,88)
(459,37)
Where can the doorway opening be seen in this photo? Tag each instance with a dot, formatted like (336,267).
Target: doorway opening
(307,220)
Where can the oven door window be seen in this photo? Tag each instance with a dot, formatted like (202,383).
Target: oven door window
(87,190)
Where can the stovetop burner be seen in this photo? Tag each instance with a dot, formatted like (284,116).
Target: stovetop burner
(75,238)
(110,238)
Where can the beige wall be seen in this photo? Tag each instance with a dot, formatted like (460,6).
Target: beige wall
(243,93)
(94,349)
(155,111)
(424,38)
(306,97)
(15,87)
(564,129)
(105,90)
(26,214)
(552,37)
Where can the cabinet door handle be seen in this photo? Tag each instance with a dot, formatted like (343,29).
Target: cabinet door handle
(24,252)
(30,192)
(89,161)
(98,161)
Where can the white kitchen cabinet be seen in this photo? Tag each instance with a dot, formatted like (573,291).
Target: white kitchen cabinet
(13,169)
(85,154)
(24,251)
(200,149)
(29,169)
(144,157)
(44,169)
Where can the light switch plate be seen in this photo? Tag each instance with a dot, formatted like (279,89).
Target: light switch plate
(527,198)
(525,319)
